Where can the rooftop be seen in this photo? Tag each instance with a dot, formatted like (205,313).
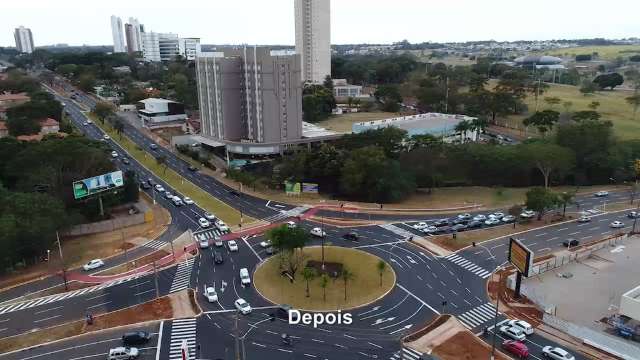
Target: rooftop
(433,123)
(314,131)
(156,101)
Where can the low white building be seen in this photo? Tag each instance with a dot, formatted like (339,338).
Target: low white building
(156,113)
(630,304)
(342,89)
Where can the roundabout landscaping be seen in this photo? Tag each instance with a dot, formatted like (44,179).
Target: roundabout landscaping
(367,284)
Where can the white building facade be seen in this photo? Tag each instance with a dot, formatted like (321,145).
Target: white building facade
(189,48)
(117,32)
(24,40)
(313,38)
(166,47)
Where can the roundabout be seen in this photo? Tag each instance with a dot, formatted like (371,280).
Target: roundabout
(368,279)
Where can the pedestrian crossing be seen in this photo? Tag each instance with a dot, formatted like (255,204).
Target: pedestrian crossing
(398,231)
(155,244)
(478,316)
(182,278)
(4,309)
(468,265)
(286,214)
(182,329)
(406,354)
(208,234)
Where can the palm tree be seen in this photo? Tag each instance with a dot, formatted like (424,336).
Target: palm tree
(462,127)
(346,275)
(308,274)
(381,266)
(323,284)
(566,198)
(479,124)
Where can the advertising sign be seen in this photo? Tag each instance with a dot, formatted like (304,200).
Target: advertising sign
(292,188)
(310,188)
(97,184)
(520,256)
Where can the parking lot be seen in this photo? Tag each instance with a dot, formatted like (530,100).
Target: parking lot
(586,291)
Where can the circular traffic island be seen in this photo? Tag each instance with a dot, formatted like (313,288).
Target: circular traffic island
(351,278)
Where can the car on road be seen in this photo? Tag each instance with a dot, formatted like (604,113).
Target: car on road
(291,225)
(245,279)
(209,216)
(168,195)
(459,227)
(351,236)
(145,185)
(601,194)
(218,258)
(617,224)
(135,338)
(89,121)
(465,216)
(217,241)
(570,243)
(193,168)
(222,226)
(203,243)
(441,222)
(458,220)
(316,231)
(525,326)
(508,219)
(232,245)
(123,353)
(556,353)
(126,161)
(584,219)
(106,137)
(430,230)
(153,146)
(421,225)
(114,154)
(265,244)
(85,123)
(474,224)
(159,188)
(527,214)
(282,312)
(513,332)
(204,223)
(516,348)
(188,201)
(177,201)
(480,217)
(243,306)
(633,215)
(93,264)
(210,294)
(492,221)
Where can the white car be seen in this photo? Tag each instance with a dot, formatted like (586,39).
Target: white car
(123,353)
(316,231)
(209,216)
(233,246)
(243,306)
(188,201)
(421,225)
(265,244)
(584,219)
(211,294)
(556,353)
(203,243)
(508,218)
(222,226)
(492,221)
(291,225)
(177,201)
(159,188)
(217,241)
(114,154)
(525,326)
(245,279)
(93,264)
(601,194)
(479,217)
(204,223)
(89,122)
(527,214)
(430,230)
(465,216)
(85,123)
(617,224)
(106,137)
(168,195)
(496,215)
(513,332)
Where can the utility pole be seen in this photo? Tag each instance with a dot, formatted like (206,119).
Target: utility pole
(322,233)
(124,247)
(64,271)
(155,275)
(495,316)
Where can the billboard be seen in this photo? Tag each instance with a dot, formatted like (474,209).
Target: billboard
(520,256)
(97,184)
(292,188)
(311,188)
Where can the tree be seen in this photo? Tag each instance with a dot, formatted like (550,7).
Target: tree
(23,125)
(549,158)
(462,127)
(86,82)
(118,126)
(585,115)
(608,80)
(103,110)
(289,242)
(634,101)
(131,190)
(308,274)
(324,282)
(566,198)
(317,102)
(328,82)
(540,200)
(543,120)
(346,276)
(161,160)
(389,96)
(381,266)
(588,87)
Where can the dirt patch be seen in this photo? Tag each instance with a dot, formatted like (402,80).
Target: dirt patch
(153,310)
(184,304)
(343,222)
(465,346)
(148,259)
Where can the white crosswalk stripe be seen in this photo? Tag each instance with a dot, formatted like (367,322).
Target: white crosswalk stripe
(27,304)
(208,234)
(182,278)
(155,244)
(406,354)
(286,214)
(478,316)
(182,329)
(468,265)
(397,230)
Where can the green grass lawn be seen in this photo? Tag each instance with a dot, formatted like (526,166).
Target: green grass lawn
(608,52)
(186,188)
(342,123)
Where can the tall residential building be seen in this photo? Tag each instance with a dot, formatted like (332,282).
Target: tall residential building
(136,38)
(24,40)
(117,34)
(250,101)
(313,38)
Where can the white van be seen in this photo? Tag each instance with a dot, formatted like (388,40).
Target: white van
(244,277)
(123,353)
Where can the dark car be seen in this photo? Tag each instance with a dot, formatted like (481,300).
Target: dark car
(571,243)
(217,257)
(282,312)
(459,227)
(633,215)
(474,224)
(270,250)
(151,182)
(135,338)
(441,222)
(145,185)
(193,168)
(443,230)
(125,161)
(351,236)
(153,146)
(234,193)
(458,221)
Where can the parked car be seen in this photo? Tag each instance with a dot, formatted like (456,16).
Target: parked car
(222,226)
(421,225)
(617,224)
(159,188)
(316,231)
(232,245)
(204,223)
(245,279)
(114,154)
(135,338)
(465,216)
(88,121)
(270,250)
(242,305)
(168,195)
(218,258)
(351,236)
(584,219)
(210,294)
(474,224)
(508,219)
(527,214)
(105,136)
(458,221)
(525,326)
(459,227)
(177,201)
(203,243)
(153,146)
(633,215)
(601,194)
(430,230)
(85,123)
(291,225)
(496,215)
(516,348)
(93,264)
(513,332)
(123,353)
(217,241)
(492,221)
(209,216)
(571,243)
(441,222)
(479,217)
(188,201)
(265,244)
(193,168)
(151,182)
(145,185)
(556,353)
(126,161)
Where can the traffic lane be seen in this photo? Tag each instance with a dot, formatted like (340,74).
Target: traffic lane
(535,343)
(89,346)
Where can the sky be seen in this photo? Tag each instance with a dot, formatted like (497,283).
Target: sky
(78,22)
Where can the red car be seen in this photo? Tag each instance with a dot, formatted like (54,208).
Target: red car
(516,348)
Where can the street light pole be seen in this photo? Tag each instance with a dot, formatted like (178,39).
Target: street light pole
(495,315)
(322,233)
(64,271)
